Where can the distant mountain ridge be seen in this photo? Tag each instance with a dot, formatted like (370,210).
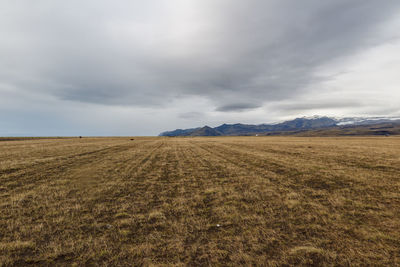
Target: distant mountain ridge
(292,126)
(206,131)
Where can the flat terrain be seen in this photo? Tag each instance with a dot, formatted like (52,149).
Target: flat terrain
(200,201)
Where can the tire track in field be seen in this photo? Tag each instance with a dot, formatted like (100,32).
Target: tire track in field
(60,174)
(56,163)
(234,158)
(57,170)
(285,184)
(115,161)
(297,181)
(128,183)
(56,185)
(295,174)
(50,151)
(71,156)
(121,164)
(89,184)
(215,195)
(210,163)
(249,173)
(88,190)
(267,165)
(161,182)
(138,166)
(133,190)
(328,158)
(117,167)
(224,168)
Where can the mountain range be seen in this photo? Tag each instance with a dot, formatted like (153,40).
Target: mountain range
(301,126)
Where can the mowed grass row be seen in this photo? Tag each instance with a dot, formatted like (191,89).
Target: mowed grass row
(200,201)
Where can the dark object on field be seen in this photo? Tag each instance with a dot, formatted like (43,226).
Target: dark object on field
(132,139)
(80,136)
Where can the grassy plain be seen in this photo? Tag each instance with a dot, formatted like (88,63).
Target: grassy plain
(200,201)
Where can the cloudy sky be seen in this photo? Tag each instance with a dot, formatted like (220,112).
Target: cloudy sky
(131,67)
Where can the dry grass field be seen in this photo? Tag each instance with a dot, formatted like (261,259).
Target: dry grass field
(275,201)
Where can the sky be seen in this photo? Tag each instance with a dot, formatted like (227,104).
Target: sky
(130,67)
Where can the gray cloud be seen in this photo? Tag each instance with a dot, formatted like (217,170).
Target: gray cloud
(239,55)
(191,115)
(237,107)
(319,104)
(254,49)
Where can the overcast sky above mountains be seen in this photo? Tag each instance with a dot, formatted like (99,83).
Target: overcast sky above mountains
(141,67)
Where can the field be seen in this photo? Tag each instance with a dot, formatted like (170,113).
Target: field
(200,201)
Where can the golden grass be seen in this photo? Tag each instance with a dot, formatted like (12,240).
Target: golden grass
(200,201)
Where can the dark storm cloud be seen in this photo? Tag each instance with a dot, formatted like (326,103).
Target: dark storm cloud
(146,53)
